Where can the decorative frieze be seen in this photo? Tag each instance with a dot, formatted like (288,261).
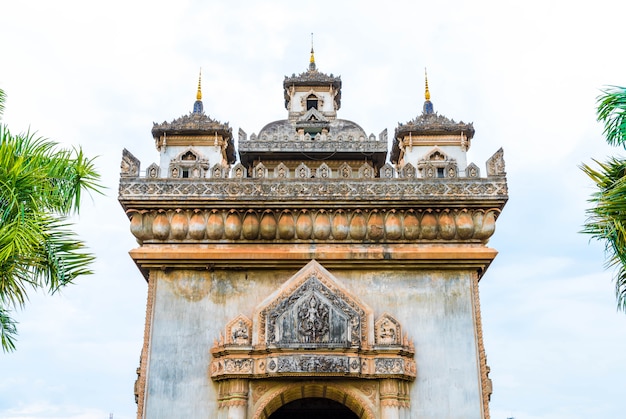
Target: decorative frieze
(256,365)
(364,190)
(333,225)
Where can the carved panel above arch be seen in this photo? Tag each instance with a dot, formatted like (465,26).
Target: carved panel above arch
(312,311)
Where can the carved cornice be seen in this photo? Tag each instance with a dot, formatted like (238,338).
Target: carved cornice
(413,225)
(142,193)
(191,123)
(309,143)
(434,124)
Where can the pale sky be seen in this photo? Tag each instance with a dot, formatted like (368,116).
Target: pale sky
(526,73)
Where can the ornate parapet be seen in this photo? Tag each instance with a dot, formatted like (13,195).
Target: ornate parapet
(312,143)
(377,192)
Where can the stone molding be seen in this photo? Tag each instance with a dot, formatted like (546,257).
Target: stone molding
(312,143)
(363,190)
(320,225)
(485,382)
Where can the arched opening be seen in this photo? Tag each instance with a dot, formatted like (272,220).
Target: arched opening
(311,102)
(313,400)
(313,408)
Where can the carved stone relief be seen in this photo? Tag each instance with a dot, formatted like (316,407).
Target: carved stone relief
(153,171)
(312,311)
(495,164)
(259,171)
(130,165)
(239,331)
(239,171)
(313,315)
(387,330)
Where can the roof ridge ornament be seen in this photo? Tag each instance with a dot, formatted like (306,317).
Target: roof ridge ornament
(428,105)
(199,93)
(312,66)
(198,107)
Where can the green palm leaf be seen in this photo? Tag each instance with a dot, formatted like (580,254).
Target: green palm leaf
(40,186)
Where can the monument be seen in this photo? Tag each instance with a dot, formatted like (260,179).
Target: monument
(314,271)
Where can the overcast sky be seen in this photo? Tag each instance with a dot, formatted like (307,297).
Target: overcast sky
(527,73)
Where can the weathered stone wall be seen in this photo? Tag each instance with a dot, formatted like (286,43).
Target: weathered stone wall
(192,307)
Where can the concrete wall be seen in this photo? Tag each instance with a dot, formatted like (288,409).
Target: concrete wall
(191,308)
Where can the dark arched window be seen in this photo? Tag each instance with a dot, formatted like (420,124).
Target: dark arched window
(311,102)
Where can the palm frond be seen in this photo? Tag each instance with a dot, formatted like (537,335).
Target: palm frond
(40,185)
(612,113)
(2,100)
(8,330)
(606,220)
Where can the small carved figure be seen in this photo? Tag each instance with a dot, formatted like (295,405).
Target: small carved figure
(240,333)
(175,172)
(387,334)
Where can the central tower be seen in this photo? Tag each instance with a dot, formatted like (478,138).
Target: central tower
(312,276)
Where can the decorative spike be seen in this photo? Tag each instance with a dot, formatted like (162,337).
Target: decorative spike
(428,106)
(427,92)
(312,59)
(199,94)
(198,107)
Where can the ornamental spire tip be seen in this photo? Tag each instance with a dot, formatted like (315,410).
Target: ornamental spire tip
(312,59)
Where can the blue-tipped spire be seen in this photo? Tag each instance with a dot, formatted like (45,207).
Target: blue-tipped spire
(428,105)
(312,66)
(197,106)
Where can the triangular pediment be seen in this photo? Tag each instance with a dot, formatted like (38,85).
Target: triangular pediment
(312,115)
(312,310)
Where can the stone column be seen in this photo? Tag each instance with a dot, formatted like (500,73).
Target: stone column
(233,398)
(389,399)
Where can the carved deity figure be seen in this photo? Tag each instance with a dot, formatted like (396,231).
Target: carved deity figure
(240,333)
(387,333)
(313,321)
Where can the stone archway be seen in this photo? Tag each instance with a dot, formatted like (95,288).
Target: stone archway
(313,408)
(317,399)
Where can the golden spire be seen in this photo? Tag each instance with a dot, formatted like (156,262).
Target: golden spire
(312,59)
(427,92)
(199,94)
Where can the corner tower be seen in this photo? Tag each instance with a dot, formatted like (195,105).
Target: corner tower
(312,278)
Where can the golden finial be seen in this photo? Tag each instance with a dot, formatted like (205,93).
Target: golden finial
(199,94)
(312,60)
(427,92)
